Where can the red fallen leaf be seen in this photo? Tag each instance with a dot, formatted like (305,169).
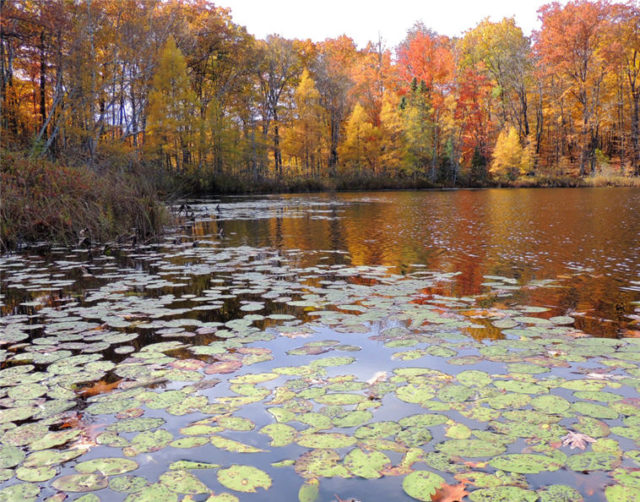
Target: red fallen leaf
(223,367)
(100,387)
(450,493)
(631,333)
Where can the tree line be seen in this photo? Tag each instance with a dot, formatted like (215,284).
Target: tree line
(178,85)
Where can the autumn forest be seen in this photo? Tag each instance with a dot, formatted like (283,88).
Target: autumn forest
(178,88)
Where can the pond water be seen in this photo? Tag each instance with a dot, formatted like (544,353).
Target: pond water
(370,346)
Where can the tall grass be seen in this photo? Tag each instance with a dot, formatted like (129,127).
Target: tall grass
(45,201)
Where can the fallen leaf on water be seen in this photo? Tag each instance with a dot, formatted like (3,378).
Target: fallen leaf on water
(450,493)
(576,440)
(100,387)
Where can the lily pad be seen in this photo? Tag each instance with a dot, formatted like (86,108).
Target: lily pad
(10,456)
(471,448)
(23,492)
(244,478)
(524,463)
(280,434)
(81,483)
(591,461)
(107,466)
(128,484)
(503,494)
(153,493)
(233,446)
(422,485)
(181,481)
(366,464)
(325,440)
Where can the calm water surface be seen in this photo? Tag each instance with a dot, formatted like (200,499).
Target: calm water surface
(587,238)
(332,314)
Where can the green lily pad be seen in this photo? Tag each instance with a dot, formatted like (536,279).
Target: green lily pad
(366,464)
(181,481)
(551,404)
(422,485)
(148,441)
(233,446)
(471,448)
(595,410)
(473,378)
(280,434)
(244,478)
(236,423)
(423,420)
(352,419)
(189,442)
(23,435)
(525,463)
(107,466)
(136,425)
(559,493)
(50,457)
(128,484)
(325,440)
(10,456)
(309,491)
(52,439)
(503,494)
(153,493)
(340,399)
(377,430)
(35,474)
(620,493)
(81,483)
(23,492)
(591,461)
(320,463)
(414,393)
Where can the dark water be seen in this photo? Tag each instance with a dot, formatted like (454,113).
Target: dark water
(327,293)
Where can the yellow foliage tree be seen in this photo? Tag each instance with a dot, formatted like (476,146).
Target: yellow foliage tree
(303,140)
(172,120)
(360,147)
(509,158)
(394,152)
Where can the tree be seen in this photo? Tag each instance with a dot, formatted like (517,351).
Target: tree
(332,71)
(172,122)
(392,138)
(304,139)
(506,55)
(570,45)
(359,150)
(508,155)
(279,67)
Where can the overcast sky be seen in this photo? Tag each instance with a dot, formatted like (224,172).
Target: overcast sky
(362,20)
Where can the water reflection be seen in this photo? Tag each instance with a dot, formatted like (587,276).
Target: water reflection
(589,237)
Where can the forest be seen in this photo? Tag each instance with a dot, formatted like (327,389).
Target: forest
(182,99)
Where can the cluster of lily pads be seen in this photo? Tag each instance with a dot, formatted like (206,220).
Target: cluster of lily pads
(217,373)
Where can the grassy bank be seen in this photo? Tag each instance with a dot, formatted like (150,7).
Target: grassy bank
(45,201)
